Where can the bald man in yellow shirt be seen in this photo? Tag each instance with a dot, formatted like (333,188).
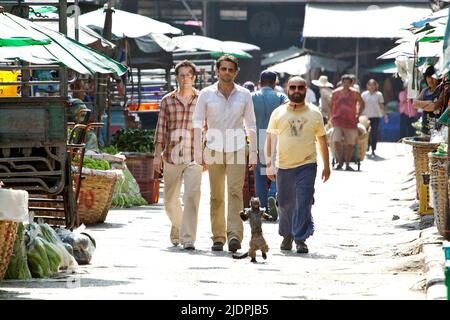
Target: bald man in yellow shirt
(294,128)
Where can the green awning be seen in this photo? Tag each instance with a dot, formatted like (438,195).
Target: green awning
(389,67)
(21,42)
(61,49)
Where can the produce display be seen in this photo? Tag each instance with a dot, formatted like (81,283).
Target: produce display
(441,150)
(18,264)
(134,140)
(38,253)
(126,192)
(90,163)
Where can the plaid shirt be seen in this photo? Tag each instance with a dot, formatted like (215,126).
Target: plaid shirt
(174,129)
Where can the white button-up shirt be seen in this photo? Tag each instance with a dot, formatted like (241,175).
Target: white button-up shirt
(227,119)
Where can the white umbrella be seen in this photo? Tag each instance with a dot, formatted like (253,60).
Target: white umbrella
(85,35)
(426,49)
(301,65)
(241,45)
(126,24)
(201,43)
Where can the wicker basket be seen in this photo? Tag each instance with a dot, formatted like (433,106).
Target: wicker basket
(438,185)
(362,142)
(96,193)
(8,231)
(421,148)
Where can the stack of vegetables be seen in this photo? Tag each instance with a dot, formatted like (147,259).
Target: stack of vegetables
(134,140)
(126,191)
(441,150)
(39,253)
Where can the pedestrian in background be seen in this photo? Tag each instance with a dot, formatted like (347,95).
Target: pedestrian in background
(344,117)
(326,91)
(294,128)
(265,101)
(250,86)
(227,109)
(174,136)
(374,110)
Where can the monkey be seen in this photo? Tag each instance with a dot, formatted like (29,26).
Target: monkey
(257,241)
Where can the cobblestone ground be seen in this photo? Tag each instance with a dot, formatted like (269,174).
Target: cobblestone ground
(365,247)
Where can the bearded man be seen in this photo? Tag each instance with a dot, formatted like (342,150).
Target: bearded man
(294,128)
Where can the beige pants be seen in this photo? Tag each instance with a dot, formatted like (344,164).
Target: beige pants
(229,165)
(185,220)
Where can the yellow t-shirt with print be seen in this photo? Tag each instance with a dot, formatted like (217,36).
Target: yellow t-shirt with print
(297,131)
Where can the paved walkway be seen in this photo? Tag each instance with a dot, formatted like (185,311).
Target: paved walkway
(366,246)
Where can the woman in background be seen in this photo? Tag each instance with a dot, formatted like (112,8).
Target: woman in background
(374,110)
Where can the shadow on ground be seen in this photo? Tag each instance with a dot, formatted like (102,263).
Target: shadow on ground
(69,282)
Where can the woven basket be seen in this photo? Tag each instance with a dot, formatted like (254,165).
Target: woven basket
(362,142)
(438,185)
(96,194)
(421,148)
(8,231)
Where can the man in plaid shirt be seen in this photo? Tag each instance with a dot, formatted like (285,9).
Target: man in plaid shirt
(174,135)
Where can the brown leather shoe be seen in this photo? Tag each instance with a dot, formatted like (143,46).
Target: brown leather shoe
(234,245)
(286,244)
(217,246)
(301,247)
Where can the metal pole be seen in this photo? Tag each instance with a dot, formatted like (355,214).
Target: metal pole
(357,58)
(77,27)
(63,73)
(193,16)
(205,18)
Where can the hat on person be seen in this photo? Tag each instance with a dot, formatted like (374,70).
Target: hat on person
(322,82)
(268,75)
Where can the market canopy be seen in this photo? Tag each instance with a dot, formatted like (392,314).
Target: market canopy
(426,49)
(216,47)
(61,50)
(281,55)
(12,35)
(360,20)
(126,24)
(86,35)
(301,65)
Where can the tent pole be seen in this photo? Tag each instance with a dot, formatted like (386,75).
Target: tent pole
(205,18)
(357,59)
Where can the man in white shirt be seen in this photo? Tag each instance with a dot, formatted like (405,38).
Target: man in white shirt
(310,96)
(228,111)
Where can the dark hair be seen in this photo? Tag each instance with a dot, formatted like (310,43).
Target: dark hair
(186,63)
(229,58)
(249,85)
(429,71)
(346,77)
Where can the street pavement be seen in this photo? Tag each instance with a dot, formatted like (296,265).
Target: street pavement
(369,243)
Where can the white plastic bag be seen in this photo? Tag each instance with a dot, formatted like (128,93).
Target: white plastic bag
(14,205)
